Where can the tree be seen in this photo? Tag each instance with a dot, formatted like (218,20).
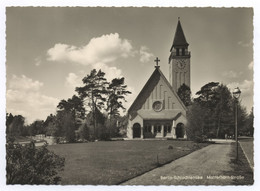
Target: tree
(66,125)
(122,125)
(217,100)
(207,96)
(242,117)
(15,126)
(207,100)
(250,123)
(98,131)
(223,111)
(75,106)
(218,103)
(84,132)
(111,126)
(196,122)
(9,120)
(30,165)
(185,94)
(36,127)
(69,117)
(50,125)
(116,95)
(94,93)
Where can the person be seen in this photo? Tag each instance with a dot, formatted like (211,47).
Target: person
(226,136)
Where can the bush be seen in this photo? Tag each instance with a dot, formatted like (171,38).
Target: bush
(104,136)
(30,165)
(200,139)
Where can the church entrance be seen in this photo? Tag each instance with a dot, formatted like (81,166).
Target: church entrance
(137,130)
(180,130)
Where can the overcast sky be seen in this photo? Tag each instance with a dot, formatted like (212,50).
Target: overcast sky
(49,50)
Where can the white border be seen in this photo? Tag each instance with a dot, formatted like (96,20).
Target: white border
(127,3)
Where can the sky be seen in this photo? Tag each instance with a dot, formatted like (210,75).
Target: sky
(50,50)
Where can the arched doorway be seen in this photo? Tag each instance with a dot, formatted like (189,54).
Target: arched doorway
(137,130)
(180,130)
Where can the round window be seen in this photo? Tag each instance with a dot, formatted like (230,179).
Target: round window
(157,106)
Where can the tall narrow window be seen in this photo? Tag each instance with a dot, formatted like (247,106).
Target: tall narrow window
(183,51)
(177,52)
(157,128)
(147,128)
(167,128)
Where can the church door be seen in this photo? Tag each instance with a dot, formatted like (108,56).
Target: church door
(137,130)
(180,130)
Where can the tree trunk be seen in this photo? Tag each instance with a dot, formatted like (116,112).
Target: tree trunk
(109,126)
(94,115)
(218,127)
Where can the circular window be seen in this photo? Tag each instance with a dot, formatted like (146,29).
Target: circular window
(157,106)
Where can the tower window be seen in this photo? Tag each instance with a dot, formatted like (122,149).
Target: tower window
(183,51)
(177,52)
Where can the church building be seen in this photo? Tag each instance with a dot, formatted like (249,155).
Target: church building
(157,111)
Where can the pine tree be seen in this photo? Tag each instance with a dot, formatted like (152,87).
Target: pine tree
(94,93)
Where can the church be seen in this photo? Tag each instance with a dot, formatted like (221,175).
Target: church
(157,111)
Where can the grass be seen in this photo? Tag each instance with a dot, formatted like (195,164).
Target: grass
(247,144)
(113,162)
(240,167)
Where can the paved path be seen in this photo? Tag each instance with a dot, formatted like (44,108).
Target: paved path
(193,169)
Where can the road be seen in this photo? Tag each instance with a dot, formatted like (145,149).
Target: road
(203,167)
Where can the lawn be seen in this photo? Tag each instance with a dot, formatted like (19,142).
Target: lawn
(240,167)
(113,162)
(248,147)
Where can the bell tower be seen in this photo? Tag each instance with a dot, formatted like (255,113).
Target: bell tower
(179,60)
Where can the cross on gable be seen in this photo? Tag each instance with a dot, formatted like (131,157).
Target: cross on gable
(157,62)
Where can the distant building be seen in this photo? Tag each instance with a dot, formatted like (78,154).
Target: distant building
(157,111)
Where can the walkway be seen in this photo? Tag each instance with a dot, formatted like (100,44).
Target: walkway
(202,167)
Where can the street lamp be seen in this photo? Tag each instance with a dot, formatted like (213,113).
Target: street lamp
(236,95)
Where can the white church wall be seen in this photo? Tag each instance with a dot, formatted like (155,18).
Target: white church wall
(163,93)
(182,119)
(131,123)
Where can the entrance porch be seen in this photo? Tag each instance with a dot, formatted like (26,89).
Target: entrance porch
(159,129)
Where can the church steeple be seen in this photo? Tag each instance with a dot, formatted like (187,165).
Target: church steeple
(179,60)
(179,46)
(179,38)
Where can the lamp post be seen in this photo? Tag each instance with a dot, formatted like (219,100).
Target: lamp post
(236,95)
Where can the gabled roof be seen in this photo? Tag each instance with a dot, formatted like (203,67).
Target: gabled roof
(155,75)
(179,37)
(171,88)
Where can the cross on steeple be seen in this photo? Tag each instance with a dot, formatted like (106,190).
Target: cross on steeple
(157,62)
